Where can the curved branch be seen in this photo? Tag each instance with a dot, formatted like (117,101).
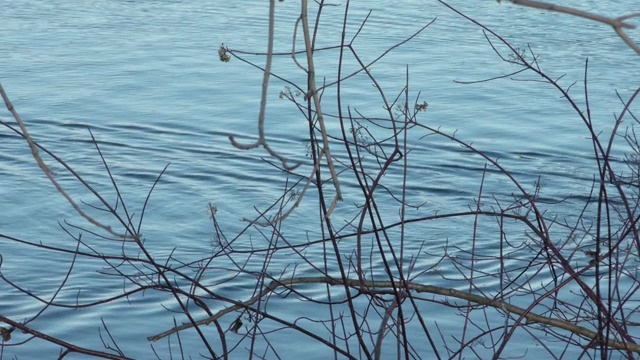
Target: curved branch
(45,169)
(421,288)
(617,23)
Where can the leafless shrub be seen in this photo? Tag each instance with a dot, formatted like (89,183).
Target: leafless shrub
(568,284)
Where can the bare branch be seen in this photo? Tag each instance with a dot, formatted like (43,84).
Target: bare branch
(618,23)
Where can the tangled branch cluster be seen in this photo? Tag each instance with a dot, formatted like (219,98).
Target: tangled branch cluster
(372,289)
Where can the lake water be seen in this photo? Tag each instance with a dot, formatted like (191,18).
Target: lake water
(145,77)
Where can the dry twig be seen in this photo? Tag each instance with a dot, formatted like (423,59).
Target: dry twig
(617,23)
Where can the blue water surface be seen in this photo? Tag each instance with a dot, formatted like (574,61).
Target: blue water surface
(145,78)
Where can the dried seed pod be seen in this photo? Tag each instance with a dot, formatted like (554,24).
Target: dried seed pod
(236,326)
(6,334)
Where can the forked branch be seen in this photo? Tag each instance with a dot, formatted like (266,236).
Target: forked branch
(262,140)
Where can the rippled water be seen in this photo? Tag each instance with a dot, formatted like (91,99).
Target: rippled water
(144,76)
